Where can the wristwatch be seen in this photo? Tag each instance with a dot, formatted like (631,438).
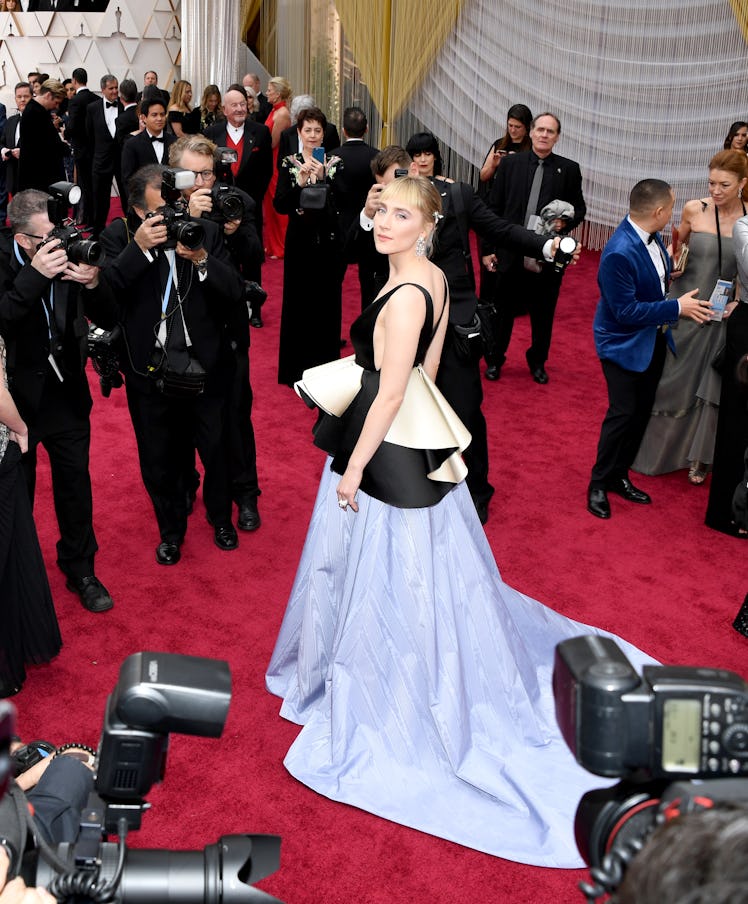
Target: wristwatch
(202,265)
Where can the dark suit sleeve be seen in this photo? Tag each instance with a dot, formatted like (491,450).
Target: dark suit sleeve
(287,192)
(496,231)
(244,244)
(223,280)
(129,162)
(265,164)
(19,291)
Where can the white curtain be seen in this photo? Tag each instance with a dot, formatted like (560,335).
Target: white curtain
(212,52)
(644,88)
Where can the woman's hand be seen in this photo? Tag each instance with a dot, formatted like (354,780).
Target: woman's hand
(21,437)
(348,487)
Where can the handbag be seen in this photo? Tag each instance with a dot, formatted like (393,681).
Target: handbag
(314,197)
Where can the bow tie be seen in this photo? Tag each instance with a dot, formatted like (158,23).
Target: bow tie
(652,236)
(156,137)
(109,105)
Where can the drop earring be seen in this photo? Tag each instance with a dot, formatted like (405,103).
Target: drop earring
(420,246)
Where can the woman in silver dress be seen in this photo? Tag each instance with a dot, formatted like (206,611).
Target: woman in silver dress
(681,431)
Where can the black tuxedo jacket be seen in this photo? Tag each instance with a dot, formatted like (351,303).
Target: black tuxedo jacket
(23,325)
(42,149)
(126,123)
(11,164)
(289,141)
(256,164)
(562,180)
(138,285)
(75,130)
(353,180)
(104,147)
(138,151)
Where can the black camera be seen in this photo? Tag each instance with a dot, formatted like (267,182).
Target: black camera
(78,249)
(676,734)
(227,203)
(156,693)
(175,213)
(103,350)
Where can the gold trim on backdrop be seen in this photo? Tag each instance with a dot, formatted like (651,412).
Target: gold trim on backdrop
(740,8)
(394,43)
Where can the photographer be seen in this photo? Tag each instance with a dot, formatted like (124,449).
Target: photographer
(176,289)
(199,155)
(44,298)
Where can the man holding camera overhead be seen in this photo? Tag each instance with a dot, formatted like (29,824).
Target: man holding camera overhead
(176,289)
(44,297)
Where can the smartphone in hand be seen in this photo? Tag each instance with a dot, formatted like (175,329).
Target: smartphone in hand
(319,155)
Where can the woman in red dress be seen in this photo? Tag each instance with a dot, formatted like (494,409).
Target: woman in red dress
(274,223)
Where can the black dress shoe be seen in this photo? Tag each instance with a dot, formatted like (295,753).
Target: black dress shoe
(624,487)
(168,553)
(256,321)
(539,375)
(493,372)
(597,503)
(225,537)
(93,594)
(249,517)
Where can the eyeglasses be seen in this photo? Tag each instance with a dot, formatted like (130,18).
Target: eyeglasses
(31,235)
(203,174)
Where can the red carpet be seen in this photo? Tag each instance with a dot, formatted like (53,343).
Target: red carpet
(654,574)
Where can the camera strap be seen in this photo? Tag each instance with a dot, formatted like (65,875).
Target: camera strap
(164,333)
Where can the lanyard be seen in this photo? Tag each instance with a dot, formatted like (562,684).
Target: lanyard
(48,311)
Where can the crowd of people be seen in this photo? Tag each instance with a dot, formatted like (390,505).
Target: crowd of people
(210,191)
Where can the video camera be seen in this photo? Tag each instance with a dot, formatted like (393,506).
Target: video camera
(78,249)
(156,693)
(179,226)
(675,735)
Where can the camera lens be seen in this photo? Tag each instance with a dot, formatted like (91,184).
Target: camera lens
(85,251)
(190,234)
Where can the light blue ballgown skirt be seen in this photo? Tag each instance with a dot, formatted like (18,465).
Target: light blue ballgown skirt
(423,681)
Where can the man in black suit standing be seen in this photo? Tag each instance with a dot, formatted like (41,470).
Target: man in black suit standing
(75,134)
(101,119)
(42,148)
(44,300)
(150,80)
(127,123)
(11,150)
(251,141)
(525,183)
(175,303)
(149,146)
(352,184)
(252,80)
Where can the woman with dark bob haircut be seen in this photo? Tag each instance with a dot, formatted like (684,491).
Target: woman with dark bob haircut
(737,137)
(312,276)
(424,149)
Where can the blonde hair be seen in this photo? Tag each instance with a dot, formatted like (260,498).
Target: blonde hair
(195,144)
(282,86)
(177,94)
(417,192)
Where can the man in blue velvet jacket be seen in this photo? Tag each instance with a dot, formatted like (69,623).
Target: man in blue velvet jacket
(631,336)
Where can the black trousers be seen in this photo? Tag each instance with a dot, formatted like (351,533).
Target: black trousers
(517,290)
(165,428)
(102,196)
(242,448)
(65,432)
(630,399)
(459,381)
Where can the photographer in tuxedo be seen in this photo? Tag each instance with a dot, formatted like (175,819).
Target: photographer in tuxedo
(44,301)
(176,289)
(199,155)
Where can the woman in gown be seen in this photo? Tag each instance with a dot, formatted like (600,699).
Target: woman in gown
(274,223)
(680,433)
(732,424)
(182,119)
(423,682)
(28,624)
(310,320)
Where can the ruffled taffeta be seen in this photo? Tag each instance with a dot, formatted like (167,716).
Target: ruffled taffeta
(423,682)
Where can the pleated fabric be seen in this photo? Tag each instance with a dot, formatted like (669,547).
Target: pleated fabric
(423,682)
